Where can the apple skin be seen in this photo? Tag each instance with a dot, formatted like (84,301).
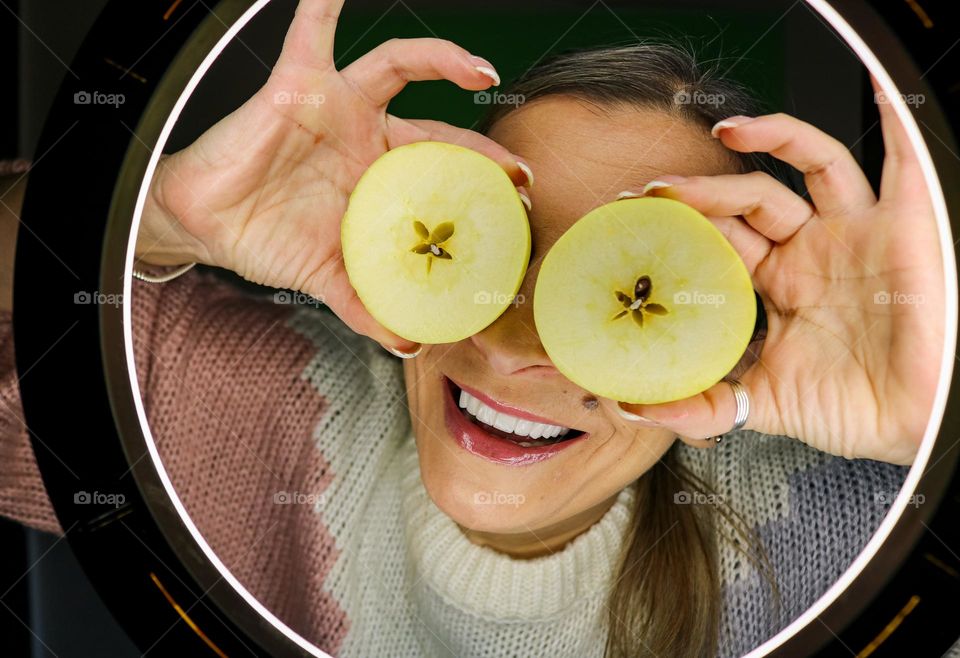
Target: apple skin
(458,287)
(697,318)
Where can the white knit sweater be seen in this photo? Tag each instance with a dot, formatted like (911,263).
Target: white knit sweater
(412,584)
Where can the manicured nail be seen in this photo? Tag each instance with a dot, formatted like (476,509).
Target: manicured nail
(487,69)
(627,194)
(731,122)
(526,172)
(526,201)
(402,355)
(636,418)
(656,185)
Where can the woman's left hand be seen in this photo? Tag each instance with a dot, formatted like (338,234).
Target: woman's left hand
(852,285)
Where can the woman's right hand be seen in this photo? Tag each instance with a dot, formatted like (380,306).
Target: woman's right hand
(264,190)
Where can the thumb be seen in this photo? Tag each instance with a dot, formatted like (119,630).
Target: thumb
(341,298)
(698,419)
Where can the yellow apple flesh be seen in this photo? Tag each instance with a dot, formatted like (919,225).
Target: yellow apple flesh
(644,301)
(435,241)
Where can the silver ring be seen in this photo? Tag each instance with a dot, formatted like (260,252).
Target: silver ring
(743,409)
(743,404)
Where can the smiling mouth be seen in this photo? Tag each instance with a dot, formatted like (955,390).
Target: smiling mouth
(521,431)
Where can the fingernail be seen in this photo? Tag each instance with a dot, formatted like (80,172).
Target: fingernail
(662,183)
(526,172)
(627,194)
(636,418)
(487,69)
(402,355)
(526,201)
(731,122)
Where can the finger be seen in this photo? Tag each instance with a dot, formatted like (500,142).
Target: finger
(385,70)
(706,415)
(768,205)
(407,131)
(309,40)
(902,176)
(834,180)
(337,293)
(749,243)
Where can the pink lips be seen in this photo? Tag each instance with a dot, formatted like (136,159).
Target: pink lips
(477,441)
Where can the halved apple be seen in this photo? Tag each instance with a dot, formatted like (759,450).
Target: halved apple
(644,301)
(436,241)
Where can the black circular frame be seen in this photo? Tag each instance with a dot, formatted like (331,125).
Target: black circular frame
(142,559)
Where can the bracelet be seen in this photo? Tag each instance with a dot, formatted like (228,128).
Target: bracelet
(162,278)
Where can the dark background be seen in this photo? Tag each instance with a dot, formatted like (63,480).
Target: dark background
(780,49)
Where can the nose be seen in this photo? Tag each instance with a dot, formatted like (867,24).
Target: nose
(511,344)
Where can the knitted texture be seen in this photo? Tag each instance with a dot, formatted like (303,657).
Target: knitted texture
(288,440)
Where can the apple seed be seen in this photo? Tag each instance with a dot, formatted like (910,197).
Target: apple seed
(638,303)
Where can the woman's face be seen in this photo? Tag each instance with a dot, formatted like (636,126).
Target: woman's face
(582,157)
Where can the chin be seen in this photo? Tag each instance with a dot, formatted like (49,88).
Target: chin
(480,508)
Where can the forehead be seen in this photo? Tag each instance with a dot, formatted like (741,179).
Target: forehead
(583,155)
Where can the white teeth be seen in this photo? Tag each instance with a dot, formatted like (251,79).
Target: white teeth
(473,405)
(469,403)
(505,422)
(486,415)
(508,423)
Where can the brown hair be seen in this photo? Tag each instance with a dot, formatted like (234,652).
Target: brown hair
(665,600)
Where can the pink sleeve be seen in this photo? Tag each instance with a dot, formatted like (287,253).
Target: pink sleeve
(233,392)
(186,334)
(22,496)
(235,397)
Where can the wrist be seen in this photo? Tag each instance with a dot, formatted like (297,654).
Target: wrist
(161,239)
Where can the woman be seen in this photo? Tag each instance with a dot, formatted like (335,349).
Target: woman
(626,543)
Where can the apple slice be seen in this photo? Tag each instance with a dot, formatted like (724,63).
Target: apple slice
(435,241)
(644,301)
